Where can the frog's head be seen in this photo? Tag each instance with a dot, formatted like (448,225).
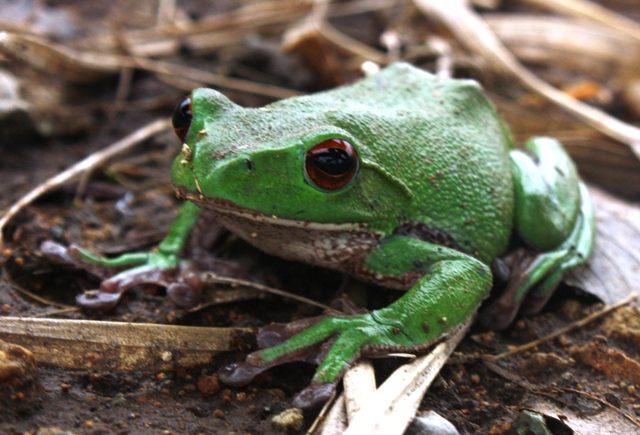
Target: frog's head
(287,160)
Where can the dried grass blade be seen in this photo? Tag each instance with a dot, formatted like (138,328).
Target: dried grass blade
(359,385)
(57,60)
(592,12)
(79,66)
(390,410)
(469,28)
(89,344)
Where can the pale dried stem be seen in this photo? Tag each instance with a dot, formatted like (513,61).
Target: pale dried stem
(580,323)
(335,421)
(567,43)
(98,345)
(87,164)
(210,277)
(315,26)
(359,386)
(392,407)
(592,12)
(166,11)
(471,31)
(351,45)
(226,28)
(80,66)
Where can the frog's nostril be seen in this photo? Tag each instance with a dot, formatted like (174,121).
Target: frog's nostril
(249,165)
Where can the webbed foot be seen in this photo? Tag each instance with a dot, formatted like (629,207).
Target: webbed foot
(156,268)
(332,343)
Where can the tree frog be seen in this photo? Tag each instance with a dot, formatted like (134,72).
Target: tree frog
(402,179)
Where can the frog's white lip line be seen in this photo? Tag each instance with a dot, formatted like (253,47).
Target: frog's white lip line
(228,208)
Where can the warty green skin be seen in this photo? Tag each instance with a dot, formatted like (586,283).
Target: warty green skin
(433,151)
(438,196)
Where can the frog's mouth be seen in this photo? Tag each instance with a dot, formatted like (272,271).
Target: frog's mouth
(226,210)
(334,245)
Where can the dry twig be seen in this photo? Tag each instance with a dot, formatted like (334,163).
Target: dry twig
(210,277)
(82,67)
(562,331)
(392,407)
(88,164)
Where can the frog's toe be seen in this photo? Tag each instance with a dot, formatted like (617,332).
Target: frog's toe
(187,293)
(314,396)
(499,314)
(240,374)
(520,298)
(276,333)
(537,298)
(112,289)
(98,300)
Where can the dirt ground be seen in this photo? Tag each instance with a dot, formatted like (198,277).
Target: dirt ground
(576,375)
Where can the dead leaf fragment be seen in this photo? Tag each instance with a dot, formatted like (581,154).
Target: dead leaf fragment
(606,422)
(613,363)
(614,270)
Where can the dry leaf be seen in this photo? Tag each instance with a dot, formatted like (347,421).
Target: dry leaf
(614,271)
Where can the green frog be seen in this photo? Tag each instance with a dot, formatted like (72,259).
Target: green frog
(403,179)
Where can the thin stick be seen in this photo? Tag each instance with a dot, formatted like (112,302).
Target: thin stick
(333,421)
(83,66)
(90,162)
(578,324)
(211,277)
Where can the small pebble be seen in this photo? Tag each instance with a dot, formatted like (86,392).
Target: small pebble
(431,423)
(291,418)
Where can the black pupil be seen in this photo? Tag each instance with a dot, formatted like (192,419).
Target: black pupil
(182,114)
(333,161)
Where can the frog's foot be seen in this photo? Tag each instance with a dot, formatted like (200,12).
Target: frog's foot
(530,288)
(334,343)
(156,268)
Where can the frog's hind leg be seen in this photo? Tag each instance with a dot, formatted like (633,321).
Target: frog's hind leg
(546,271)
(545,203)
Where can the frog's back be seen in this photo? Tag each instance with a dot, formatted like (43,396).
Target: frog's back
(443,139)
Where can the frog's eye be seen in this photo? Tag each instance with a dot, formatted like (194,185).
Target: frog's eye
(181,119)
(332,164)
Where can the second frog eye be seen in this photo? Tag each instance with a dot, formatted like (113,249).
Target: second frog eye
(332,164)
(181,119)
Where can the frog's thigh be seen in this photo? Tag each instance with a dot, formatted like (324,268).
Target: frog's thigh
(451,288)
(547,270)
(541,277)
(547,193)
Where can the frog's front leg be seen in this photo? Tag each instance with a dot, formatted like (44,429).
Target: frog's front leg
(145,267)
(449,290)
(554,216)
